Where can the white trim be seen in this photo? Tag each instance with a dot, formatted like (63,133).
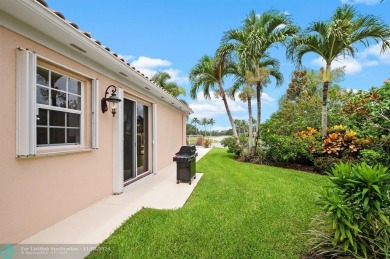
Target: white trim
(95,113)
(117,145)
(26,110)
(154,137)
(54,63)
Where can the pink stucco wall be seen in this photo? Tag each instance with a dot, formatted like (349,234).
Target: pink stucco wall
(37,192)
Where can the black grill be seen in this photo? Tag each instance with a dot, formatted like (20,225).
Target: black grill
(186,164)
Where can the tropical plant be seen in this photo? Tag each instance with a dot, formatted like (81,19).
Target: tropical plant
(369,111)
(336,38)
(162,78)
(355,213)
(196,121)
(209,74)
(257,34)
(245,79)
(204,122)
(211,122)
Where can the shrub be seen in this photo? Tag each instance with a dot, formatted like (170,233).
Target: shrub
(288,149)
(231,144)
(355,213)
(207,143)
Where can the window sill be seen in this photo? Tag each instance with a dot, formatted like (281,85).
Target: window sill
(57,151)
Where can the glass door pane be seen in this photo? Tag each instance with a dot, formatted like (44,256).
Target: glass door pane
(128,140)
(142,139)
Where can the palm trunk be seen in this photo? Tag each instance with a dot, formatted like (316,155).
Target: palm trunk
(250,138)
(324,115)
(223,95)
(258,97)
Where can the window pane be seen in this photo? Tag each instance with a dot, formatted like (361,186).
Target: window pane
(73,136)
(58,99)
(42,76)
(57,136)
(41,136)
(42,117)
(42,95)
(73,120)
(74,102)
(74,86)
(57,118)
(58,81)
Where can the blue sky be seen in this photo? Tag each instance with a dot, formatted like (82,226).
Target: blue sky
(172,35)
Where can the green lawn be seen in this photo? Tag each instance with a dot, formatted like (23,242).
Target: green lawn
(237,210)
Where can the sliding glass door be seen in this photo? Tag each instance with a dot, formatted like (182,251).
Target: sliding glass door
(135,139)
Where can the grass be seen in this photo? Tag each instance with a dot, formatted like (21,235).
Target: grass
(237,210)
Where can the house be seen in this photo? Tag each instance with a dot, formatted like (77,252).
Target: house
(64,145)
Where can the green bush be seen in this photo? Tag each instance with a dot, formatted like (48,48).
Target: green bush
(207,143)
(231,144)
(288,149)
(355,213)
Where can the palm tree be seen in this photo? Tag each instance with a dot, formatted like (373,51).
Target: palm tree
(336,38)
(243,78)
(211,122)
(257,34)
(209,74)
(195,121)
(204,122)
(242,81)
(162,78)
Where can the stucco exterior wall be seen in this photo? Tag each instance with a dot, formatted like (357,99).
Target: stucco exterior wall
(35,193)
(170,135)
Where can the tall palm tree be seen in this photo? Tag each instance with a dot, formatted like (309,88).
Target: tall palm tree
(336,38)
(162,78)
(257,34)
(209,74)
(245,79)
(196,121)
(211,122)
(204,122)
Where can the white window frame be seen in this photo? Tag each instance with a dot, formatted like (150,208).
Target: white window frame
(49,107)
(27,109)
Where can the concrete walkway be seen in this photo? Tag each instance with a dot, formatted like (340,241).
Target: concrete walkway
(95,223)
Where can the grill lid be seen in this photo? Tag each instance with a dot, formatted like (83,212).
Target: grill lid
(189,150)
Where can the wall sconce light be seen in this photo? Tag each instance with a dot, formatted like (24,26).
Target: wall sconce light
(113,100)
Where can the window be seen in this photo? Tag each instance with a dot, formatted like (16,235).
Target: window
(51,114)
(59,102)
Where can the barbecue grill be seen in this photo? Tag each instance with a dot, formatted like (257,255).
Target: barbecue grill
(186,164)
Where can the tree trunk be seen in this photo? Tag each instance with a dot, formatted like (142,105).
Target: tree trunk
(250,138)
(223,95)
(258,97)
(324,115)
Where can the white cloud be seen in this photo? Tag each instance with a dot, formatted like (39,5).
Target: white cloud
(369,57)
(352,66)
(145,62)
(374,52)
(176,76)
(267,99)
(367,2)
(150,66)
(210,108)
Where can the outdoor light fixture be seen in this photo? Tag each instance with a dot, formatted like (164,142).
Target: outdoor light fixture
(113,100)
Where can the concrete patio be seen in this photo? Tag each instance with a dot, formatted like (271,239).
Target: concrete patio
(95,223)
